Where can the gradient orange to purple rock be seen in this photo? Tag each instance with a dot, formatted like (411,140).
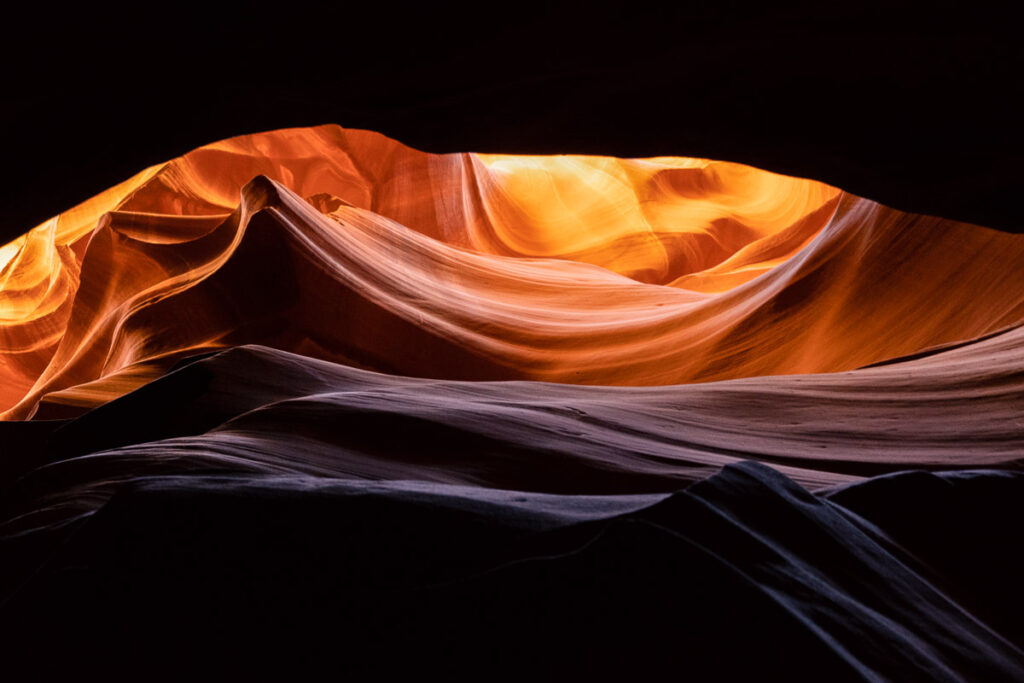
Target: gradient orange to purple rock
(347,246)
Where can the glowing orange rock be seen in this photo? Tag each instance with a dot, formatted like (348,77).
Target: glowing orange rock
(349,246)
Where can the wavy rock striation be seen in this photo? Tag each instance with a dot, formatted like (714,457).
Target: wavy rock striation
(461,406)
(347,246)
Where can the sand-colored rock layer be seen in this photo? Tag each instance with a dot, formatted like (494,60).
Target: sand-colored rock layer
(347,246)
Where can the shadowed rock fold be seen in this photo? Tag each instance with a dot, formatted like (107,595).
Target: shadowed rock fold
(536,384)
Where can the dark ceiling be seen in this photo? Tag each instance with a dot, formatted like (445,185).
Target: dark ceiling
(916,109)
